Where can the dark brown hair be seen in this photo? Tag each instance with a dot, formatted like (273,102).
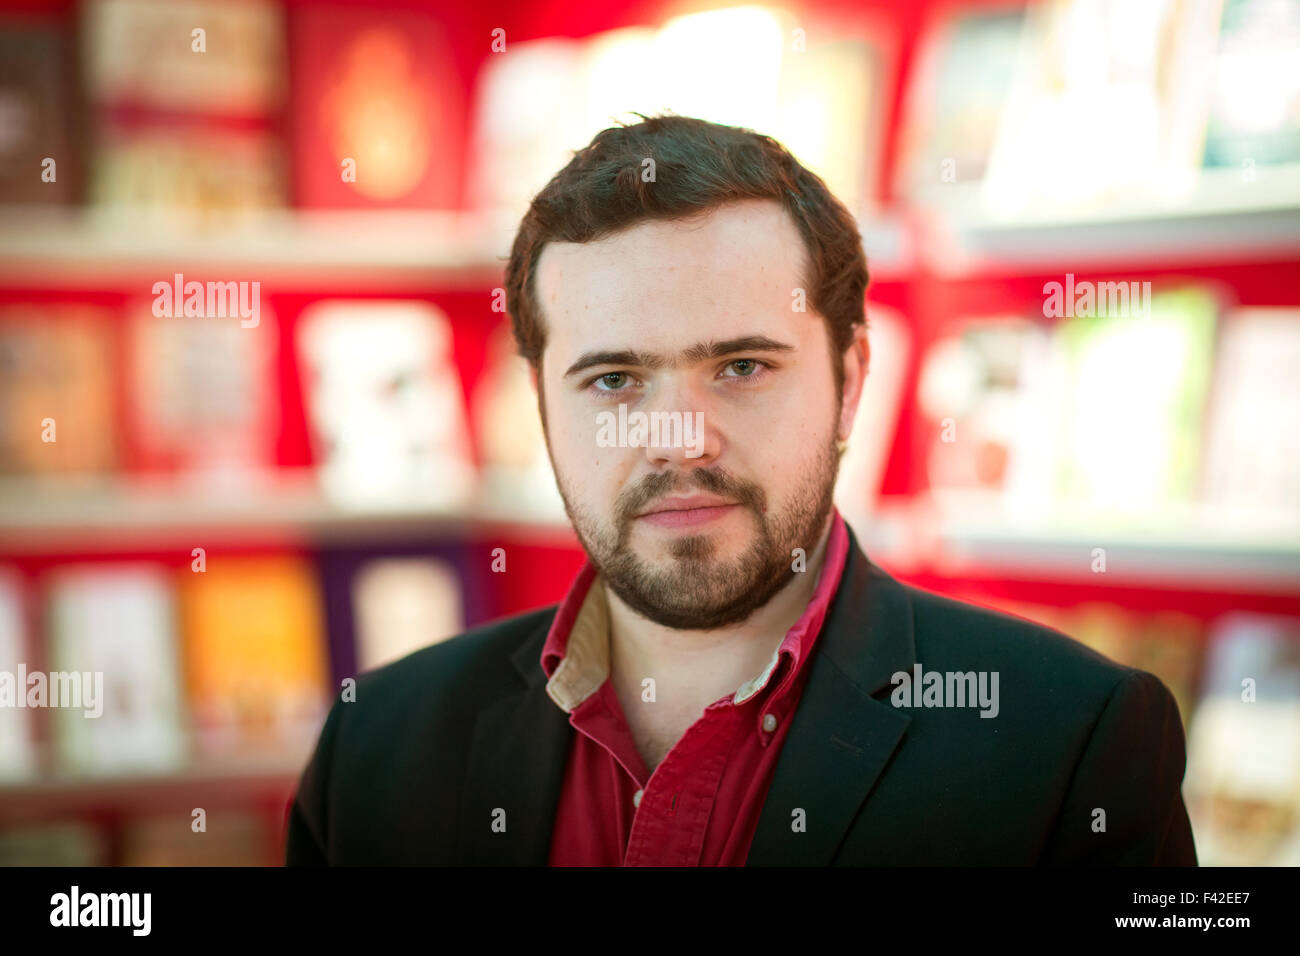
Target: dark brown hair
(698,166)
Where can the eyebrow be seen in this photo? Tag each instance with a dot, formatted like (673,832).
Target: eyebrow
(699,352)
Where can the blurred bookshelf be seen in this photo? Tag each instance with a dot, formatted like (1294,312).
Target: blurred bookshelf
(356,465)
(1219,218)
(318,249)
(76,514)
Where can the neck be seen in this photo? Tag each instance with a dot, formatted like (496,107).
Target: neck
(691,668)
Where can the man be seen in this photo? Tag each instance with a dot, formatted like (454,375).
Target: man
(730,679)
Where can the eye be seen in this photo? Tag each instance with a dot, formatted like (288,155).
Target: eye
(610,382)
(745,368)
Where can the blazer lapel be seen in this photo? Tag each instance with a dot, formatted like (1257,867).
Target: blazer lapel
(842,737)
(516,768)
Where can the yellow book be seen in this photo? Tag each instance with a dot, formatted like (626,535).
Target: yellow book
(255,657)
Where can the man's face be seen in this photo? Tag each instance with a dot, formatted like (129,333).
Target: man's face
(694,531)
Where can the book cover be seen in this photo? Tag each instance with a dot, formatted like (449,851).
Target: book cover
(202,396)
(1252,459)
(112,635)
(40,145)
(378,109)
(57,391)
(403,604)
(385,404)
(254,657)
(17,740)
(1243,748)
(1136,384)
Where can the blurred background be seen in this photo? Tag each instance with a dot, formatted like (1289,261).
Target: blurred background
(1082,220)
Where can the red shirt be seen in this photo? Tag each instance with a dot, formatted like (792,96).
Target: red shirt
(701,805)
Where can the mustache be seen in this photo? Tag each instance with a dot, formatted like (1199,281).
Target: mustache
(634,500)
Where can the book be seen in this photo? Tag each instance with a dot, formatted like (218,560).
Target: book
(403,604)
(202,396)
(966,67)
(40,115)
(385,404)
(378,111)
(195,176)
(146,54)
(17,741)
(1090,74)
(254,657)
(1254,113)
(57,394)
(511,445)
(1243,748)
(981,391)
(862,467)
(112,628)
(1128,439)
(1252,457)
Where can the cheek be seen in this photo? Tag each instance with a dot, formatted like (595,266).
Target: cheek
(590,470)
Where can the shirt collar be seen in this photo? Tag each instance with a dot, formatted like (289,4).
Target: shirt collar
(575,657)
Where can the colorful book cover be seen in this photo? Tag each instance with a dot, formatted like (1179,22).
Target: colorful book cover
(199,172)
(193,56)
(17,742)
(1129,69)
(957,100)
(57,392)
(1254,115)
(386,404)
(255,656)
(403,604)
(863,466)
(112,635)
(1136,384)
(202,396)
(40,151)
(378,114)
(1243,748)
(1252,459)
(980,390)
(508,425)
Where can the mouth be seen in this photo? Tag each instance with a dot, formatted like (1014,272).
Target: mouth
(687,512)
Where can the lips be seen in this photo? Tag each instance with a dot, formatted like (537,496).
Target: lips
(691,503)
(688,511)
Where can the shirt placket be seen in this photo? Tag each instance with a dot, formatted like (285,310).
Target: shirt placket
(672,816)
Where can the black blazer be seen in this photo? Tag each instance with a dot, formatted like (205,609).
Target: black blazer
(412,771)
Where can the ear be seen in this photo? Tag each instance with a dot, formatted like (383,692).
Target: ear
(857,358)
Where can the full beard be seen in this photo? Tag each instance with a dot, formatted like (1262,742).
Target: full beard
(696,590)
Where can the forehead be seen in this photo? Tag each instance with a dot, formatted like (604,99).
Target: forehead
(657,285)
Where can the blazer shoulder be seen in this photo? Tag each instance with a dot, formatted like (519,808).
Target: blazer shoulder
(481,654)
(948,628)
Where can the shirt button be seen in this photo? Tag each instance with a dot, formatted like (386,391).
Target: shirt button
(769,722)
(636,798)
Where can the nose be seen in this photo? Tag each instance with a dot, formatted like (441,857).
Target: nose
(683,431)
